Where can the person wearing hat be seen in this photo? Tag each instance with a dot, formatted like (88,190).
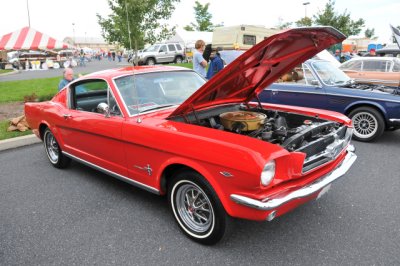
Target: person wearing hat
(372,52)
(216,64)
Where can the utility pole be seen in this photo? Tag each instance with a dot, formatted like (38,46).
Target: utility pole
(305,4)
(29,18)
(73,32)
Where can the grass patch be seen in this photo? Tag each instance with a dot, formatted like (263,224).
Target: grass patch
(4,134)
(187,65)
(2,71)
(14,91)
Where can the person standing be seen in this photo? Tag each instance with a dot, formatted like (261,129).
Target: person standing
(337,55)
(199,63)
(216,64)
(68,77)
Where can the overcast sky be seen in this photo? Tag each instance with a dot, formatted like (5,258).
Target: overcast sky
(56,17)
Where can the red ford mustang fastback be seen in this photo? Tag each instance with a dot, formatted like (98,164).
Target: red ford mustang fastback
(213,151)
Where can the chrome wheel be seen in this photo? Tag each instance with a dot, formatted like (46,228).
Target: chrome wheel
(365,125)
(197,208)
(52,148)
(193,208)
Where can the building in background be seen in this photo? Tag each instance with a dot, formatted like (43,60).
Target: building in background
(94,43)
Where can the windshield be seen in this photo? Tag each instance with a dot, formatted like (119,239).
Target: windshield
(329,74)
(144,92)
(153,48)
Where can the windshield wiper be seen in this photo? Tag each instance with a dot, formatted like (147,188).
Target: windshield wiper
(156,107)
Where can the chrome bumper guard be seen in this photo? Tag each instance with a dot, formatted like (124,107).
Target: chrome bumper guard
(270,204)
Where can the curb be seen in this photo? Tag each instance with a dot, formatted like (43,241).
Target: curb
(18,142)
(9,73)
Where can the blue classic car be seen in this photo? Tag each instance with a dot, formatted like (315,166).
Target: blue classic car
(317,83)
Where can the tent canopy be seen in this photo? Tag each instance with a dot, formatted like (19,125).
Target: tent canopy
(30,39)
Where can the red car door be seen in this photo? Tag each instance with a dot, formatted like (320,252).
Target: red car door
(91,136)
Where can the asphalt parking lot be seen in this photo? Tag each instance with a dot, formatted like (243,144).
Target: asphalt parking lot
(79,216)
(89,68)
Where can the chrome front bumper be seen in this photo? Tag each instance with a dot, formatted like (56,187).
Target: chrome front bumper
(270,204)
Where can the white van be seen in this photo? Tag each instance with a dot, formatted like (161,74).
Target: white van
(241,37)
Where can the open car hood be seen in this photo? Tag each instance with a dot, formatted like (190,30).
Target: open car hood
(260,66)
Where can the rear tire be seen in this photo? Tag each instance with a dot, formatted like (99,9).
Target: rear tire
(178,60)
(53,151)
(196,208)
(368,123)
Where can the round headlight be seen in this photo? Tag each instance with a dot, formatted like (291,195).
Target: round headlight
(268,173)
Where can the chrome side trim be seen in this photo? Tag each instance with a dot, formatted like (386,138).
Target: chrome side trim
(322,182)
(118,176)
(394,120)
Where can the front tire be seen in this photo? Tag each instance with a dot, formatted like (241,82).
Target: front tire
(150,62)
(53,151)
(196,208)
(368,123)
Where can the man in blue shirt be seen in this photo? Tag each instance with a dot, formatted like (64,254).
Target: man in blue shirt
(199,63)
(68,77)
(216,64)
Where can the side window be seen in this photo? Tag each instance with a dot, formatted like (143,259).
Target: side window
(87,95)
(352,65)
(249,39)
(178,46)
(171,48)
(307,75)
(163,49)
(373,66)
(396,67)
(301,74)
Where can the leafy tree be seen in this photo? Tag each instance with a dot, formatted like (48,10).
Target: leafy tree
(342,22)
(203,19)
(283,25)
(188,28)
(304,22)
(143,17)
(369,33)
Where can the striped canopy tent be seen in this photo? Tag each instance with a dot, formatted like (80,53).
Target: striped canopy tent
(30,39)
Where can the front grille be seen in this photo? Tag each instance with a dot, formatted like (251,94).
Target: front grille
(326,148)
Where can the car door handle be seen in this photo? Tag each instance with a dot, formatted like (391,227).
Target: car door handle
(274,92)
(66,116)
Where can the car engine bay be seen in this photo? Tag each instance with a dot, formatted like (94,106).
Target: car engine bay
(294,132)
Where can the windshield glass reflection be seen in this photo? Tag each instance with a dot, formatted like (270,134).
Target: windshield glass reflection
(329,74)
(148,91)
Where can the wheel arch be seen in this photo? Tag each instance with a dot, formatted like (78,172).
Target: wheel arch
(178,56)
(177,165)
(373,105)
(42,129)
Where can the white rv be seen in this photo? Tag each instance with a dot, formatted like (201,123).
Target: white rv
(241,37)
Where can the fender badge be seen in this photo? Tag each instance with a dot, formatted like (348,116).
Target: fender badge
(146,168)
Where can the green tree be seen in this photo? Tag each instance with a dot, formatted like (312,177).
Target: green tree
(342,22)
(142,18)
(304,22)
(369,33)
(203,19)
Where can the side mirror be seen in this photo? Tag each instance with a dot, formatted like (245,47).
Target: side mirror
(314,82)
(103,108)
